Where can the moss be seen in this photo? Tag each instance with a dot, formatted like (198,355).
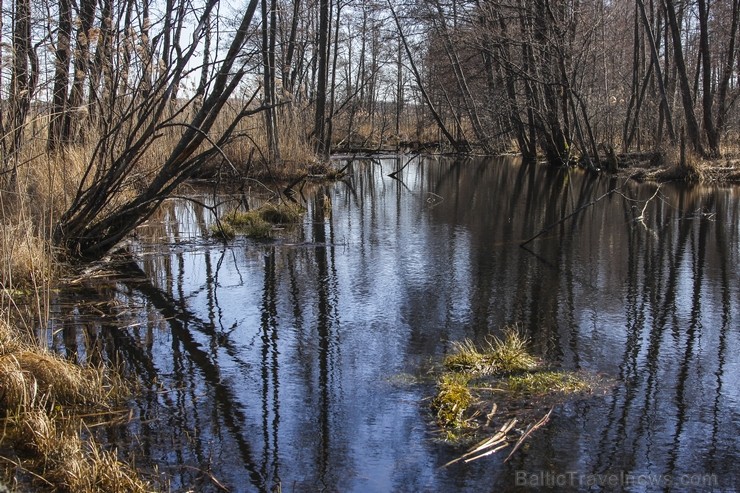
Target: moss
(544,382)
(453,400)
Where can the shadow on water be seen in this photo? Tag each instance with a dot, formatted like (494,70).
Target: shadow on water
(300,363)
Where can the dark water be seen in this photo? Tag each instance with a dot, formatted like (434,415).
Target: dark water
(301,362)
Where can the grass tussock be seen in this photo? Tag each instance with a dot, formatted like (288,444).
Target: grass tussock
(257,223)
(41,397)
(505,355)
(66,461)
(501,367)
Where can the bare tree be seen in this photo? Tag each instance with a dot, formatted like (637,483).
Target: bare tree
(94,222)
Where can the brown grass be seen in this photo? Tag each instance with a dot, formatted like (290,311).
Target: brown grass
(41,397)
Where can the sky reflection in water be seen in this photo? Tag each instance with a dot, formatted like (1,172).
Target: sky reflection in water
(301,362)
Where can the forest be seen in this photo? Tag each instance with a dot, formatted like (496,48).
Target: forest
(108,106)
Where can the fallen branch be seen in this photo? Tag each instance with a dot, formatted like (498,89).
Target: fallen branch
(529,431)
(394,175)
(488,446)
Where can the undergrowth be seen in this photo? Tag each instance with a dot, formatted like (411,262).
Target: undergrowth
(42,402)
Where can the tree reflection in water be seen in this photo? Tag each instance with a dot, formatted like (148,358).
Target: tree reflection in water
(275,363)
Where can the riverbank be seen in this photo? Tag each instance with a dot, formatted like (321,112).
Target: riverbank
(664,166)
(48,407)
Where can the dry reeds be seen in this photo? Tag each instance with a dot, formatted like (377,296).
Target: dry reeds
(40,395)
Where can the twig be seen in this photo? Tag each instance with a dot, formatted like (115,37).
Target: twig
(641,217)
(394,175)
(20,466)
(575,212)
(531,429)
(489,443)
(210,475)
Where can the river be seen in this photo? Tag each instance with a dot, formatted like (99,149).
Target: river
(302,363)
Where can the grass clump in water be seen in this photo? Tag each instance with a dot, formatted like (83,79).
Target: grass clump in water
(505,355)
(257,223)
(502,368)
(249,223)
(223,230)
(543,382)
(452,400)
(281,213)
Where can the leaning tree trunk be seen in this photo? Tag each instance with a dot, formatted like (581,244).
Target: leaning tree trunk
(93,224)
(460,146)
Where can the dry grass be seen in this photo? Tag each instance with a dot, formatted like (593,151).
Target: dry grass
(695,169)
(25,257)
(61,460)
(41,395)
(505,355)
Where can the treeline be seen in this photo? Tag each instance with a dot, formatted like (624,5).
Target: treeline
(565,78)
(147,92)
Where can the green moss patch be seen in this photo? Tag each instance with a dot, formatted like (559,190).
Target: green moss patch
(453,400)
(544,382)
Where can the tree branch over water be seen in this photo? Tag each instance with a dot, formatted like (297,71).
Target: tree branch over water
(93,225)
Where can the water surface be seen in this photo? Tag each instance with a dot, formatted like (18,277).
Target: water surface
(301,362)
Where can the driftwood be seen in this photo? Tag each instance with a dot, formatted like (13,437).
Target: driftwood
(490,445)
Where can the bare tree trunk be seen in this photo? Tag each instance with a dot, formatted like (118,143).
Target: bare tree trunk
(102,65)
(20,81)
(688,104)
(658,73)
(61,75)
(289,73)
(419,81)
(728,69)
(333,85)
(269,34)
(74,111)
(470,105)
(322,81)
(707,92)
